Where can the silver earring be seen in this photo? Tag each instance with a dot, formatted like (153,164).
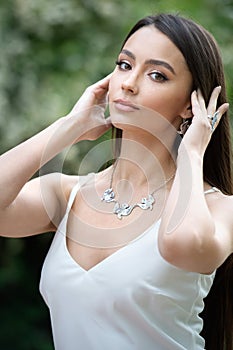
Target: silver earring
(183,127)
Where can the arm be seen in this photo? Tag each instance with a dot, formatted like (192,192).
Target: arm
(191,236)
(24,204)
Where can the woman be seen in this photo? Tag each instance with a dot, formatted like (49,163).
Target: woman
(159,220)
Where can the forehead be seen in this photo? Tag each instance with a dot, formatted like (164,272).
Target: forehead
(149,43)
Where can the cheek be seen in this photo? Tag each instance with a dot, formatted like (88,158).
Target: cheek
(168,103)
(159,103)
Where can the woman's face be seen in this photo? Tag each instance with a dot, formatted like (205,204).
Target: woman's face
(151,72)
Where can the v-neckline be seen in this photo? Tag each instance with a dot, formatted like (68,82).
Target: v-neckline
(109,257)
(73,194)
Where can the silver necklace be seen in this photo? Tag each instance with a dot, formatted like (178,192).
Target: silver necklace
(126,209)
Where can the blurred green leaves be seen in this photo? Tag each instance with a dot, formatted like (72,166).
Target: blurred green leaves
(50,51)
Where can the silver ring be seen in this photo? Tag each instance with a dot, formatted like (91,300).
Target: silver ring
(213,119)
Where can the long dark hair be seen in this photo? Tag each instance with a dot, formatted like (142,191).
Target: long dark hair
(203,58)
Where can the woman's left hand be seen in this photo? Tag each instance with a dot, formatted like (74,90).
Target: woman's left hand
(205,121)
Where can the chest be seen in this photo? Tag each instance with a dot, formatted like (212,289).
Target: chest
(94,232)
(136,268)
(87,257)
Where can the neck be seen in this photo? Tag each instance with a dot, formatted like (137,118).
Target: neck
(144,161)
(137,175)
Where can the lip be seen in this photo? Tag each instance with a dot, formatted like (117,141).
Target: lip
(125,105)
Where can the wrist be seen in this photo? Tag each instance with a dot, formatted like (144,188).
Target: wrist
(72,127)
(190,155)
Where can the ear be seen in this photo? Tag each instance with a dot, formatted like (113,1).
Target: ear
(187,112)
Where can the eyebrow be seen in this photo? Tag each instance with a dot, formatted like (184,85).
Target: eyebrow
(151,61)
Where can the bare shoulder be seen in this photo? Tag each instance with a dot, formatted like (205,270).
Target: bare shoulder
(220,204)
(86,183)
(38,207)
(63,185)
(221,208)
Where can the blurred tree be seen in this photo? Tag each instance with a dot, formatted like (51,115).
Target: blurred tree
(50,51)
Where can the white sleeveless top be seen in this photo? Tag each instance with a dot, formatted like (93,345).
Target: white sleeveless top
(132,300)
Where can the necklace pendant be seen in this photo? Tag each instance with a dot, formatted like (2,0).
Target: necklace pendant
(122,209)
(146,203)
(125,209)
(108,195)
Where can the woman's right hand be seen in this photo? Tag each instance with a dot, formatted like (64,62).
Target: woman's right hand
(23,208)
(89,111)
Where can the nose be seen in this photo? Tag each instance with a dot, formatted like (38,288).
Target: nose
(130,85)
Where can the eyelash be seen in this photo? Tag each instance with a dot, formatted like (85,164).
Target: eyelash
(120,62)
(162,77)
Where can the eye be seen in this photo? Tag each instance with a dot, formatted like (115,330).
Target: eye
(123,65)
(157,76)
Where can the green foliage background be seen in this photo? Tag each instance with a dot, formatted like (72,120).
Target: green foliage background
(50,50)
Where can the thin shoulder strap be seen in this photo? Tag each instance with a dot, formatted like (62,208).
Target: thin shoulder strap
(81,181)
(211,190)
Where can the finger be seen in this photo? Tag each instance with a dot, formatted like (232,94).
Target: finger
(213,100)
(221,111)
(216,117)
(103,83)
(196,107)
(201,101)
(100,88)
(194,100)
(223,108)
